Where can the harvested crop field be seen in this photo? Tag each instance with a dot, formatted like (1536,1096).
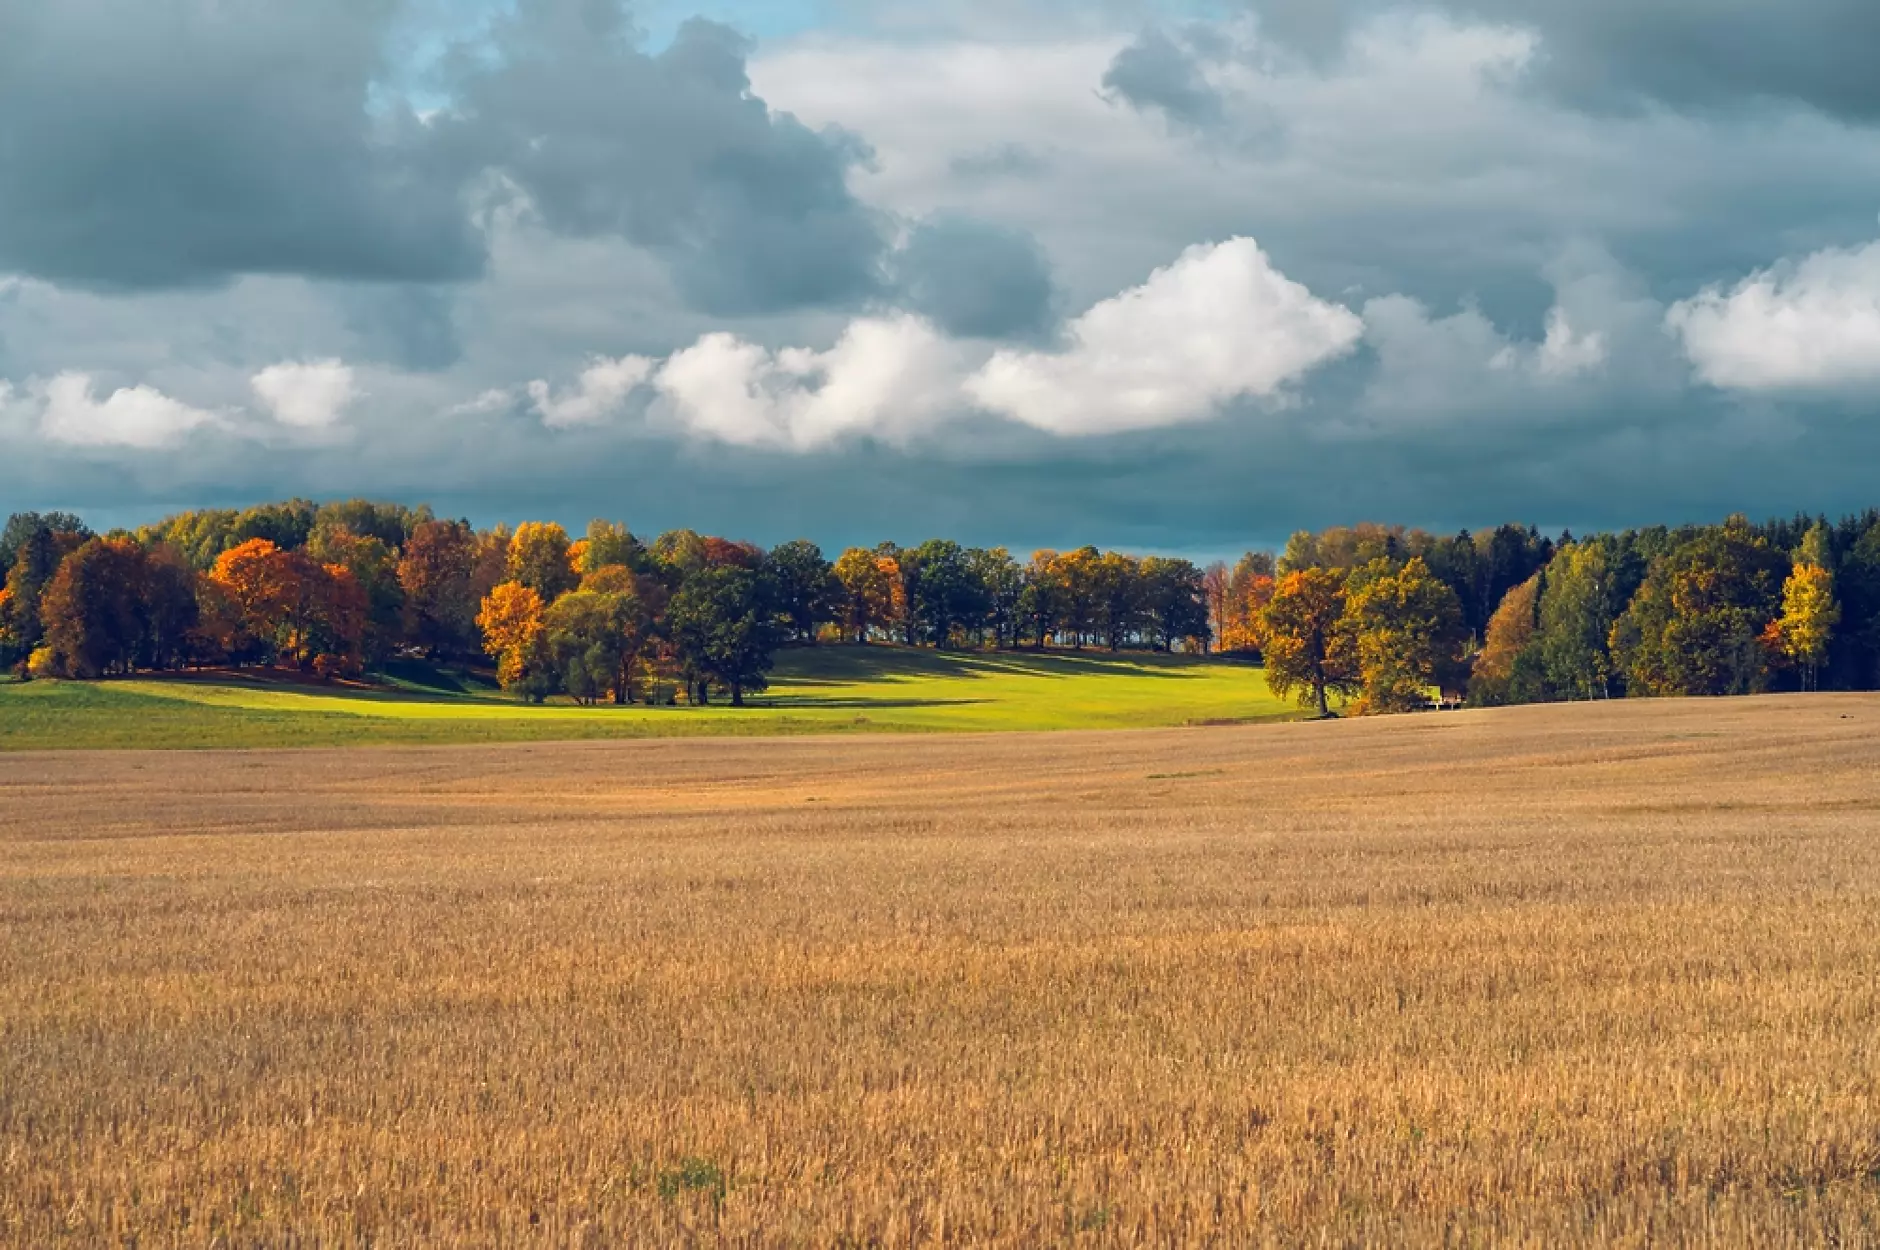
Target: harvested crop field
(1559,974)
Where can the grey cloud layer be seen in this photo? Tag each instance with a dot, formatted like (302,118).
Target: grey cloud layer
(1684,52)
(148,143)
(1478,182)
(153,143)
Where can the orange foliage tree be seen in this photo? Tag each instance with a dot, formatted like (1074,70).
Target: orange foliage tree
(511,621)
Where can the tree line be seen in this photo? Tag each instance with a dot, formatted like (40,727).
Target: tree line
(1369,618)
(338,589)
(1382,616)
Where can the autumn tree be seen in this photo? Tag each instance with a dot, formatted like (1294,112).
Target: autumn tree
(511,621)
(372,564)
(1409,636)
(90,610)
(1508,668)
(289,606)
(1310,651)
(435,573)
(538,559)
(871,585)
(1041,602)
(1809,616)
(37,550)
(1697,623)
(1074,582)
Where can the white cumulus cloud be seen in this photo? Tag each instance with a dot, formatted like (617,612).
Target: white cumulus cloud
(1219,324)
(309,395)
(1814,324)
(140,417)
(600,390)
(889,376)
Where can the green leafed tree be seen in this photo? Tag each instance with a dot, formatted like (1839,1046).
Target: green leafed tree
(1696,626)
(1576,616)
(726,629)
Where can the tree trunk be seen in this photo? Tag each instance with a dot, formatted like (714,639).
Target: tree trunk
(737,695)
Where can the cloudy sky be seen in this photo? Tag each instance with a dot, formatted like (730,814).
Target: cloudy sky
(1179,276)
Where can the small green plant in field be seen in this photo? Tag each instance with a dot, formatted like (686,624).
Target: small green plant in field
(692,1175)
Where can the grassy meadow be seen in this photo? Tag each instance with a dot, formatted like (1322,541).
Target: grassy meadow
(820,690)
(1550,975)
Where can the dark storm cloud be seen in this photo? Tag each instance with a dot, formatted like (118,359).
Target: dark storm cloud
(750,208)
(1156,72)
(1696,53)
(977,280)
(149,143)
(165,143)
(411,327)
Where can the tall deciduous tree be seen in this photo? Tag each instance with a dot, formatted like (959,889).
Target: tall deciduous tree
(593,639)
(538,558)
(1809,616)
(511,621)
(943,592)
(727,629)
(1409,632)
(1576,616)
(90,610)
(1507,670)
(1696,625)
(807,586)
(1310,651)
(37,554)
(871,585)
(436,574)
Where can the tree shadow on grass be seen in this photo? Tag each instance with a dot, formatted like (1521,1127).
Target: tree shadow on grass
(813,702)
(852,664)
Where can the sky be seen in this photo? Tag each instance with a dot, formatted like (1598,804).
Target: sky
(1180,276)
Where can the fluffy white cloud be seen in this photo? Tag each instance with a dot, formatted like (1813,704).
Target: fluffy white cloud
(1809,325)
(140,417)
(1218,324)
(600,391)
(888,376)
(306,395)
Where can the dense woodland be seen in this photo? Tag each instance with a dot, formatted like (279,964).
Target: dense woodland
(1372,618)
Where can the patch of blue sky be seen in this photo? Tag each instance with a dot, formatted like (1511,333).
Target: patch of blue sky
(427,29)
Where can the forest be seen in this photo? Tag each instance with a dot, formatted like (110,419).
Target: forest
(1364,619)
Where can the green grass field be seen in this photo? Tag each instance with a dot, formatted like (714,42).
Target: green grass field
(825,690)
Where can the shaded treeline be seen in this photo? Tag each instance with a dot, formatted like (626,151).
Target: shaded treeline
(1376,616)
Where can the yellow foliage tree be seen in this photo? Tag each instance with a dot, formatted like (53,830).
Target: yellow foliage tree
(539,559)
(1409,636)
(872,581)
(1809,615)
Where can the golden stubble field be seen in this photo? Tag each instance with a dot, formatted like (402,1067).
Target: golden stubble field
(1551,975)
